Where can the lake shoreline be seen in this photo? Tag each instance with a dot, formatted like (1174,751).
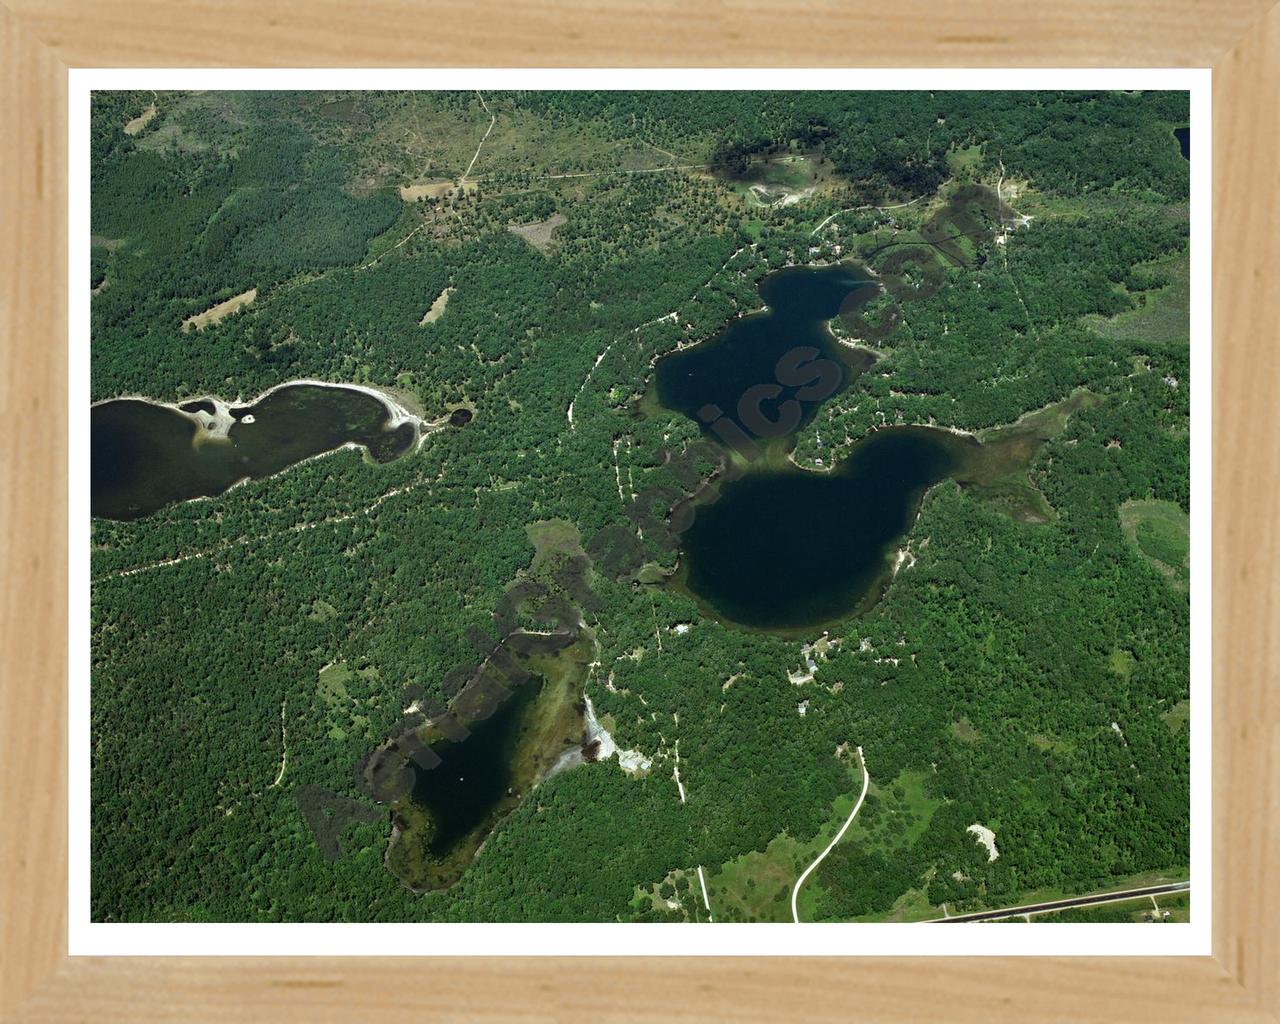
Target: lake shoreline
(227,443)
(397,414)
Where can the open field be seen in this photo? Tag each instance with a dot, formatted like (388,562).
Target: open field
(425,190)
(757,886)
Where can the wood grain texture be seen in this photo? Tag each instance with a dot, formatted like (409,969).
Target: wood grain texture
(40,38)
(659,33)
(1246,550)
(33,512)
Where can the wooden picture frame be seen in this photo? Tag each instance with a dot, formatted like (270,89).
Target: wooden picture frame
(41,39)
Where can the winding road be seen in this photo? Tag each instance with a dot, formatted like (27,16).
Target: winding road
(866,784)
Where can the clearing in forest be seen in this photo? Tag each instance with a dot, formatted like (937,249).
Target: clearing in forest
(216,314)
(437,308)
(141,121)
(425,190)
(538,234)
(1160,532)
(1163,312)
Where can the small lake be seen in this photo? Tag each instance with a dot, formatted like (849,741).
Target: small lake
(1183,135)
(475,781)
(782,362)
(482,776)
(146,455)
(788,549)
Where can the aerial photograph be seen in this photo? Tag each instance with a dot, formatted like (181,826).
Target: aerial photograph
(639,506)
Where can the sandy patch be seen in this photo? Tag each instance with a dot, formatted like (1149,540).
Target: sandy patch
(141,121)
(987,838)
(218,313)
(437,308)
(633,762)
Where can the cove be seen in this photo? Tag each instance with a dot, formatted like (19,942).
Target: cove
(145,455)
(736,373)
(787,549)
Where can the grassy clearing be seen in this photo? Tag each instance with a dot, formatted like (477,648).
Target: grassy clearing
(678,897)
(757,886)
(784,180)
(902,813)
(1163,313)
(555,542)
(422,139)
(964,159)
(411,193)
(1160,532)
(538,234)
(334,685)
(198,122)
(216,314)
(912,905)
(1043,741)
(1121,662)
(894,817)
(322,611)
(1178,717)
(964,731)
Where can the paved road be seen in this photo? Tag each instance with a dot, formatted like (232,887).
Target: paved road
(866,784)
(1074,901)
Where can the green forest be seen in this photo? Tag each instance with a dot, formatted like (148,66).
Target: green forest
(1029,673)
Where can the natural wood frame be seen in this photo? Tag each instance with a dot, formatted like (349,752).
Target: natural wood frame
(40,39)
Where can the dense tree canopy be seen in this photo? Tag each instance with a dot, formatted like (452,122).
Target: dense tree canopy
(1032,676)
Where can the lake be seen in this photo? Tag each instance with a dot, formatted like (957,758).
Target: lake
(475,781)
(481,777)
(145,455)
(768,373)
(784,549)
(790,549)
(1183,135)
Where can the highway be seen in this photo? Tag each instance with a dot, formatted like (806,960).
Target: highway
(1074,901)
